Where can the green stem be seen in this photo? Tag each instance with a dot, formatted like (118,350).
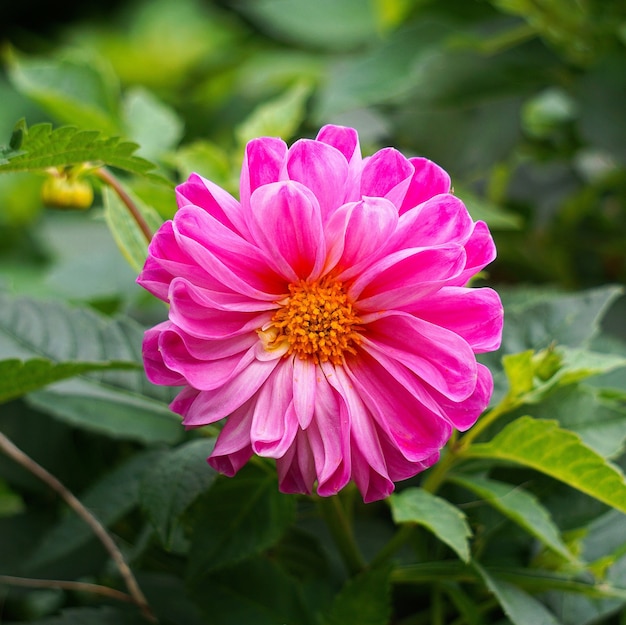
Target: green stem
(335,517)
(108,178)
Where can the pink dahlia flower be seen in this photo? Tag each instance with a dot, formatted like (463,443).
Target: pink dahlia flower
(324,315)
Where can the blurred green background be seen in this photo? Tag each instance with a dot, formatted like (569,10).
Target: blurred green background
(522,101)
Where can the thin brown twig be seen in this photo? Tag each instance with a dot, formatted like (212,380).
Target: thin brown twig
(15,453)
(108,178)
(30,582)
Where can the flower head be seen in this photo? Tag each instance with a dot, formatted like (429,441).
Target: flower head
(325,314)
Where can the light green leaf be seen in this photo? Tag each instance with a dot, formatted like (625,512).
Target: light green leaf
(151,123)
(365,599)
(127,234)
(521,507)
(109,499)
(518,605)
(279,117)
(40,147)
(174,482)
(119,403)
(447,522)
(239,517)
(81,91)
(18,377)
(559,453)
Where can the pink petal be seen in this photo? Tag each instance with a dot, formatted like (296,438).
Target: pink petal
(441,220)
(413,429)
(274,423)
(387,173)
(263,162)
(438,356)
(287,226)
(199,313)
(322,169)
(296,469)
(233,449)
(427,181)
(207,349)
(474,314)
(357,235)
(211,406)
(156,370)
(480,250)
(305,373)
(217,202)
(401,278)
(234,262)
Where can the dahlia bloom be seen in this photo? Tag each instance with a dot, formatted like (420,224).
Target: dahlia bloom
(324,315)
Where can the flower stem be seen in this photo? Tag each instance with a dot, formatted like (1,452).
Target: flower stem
(108,178)
(16,454)
(335,517)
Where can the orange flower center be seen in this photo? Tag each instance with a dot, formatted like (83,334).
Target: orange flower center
(316,321)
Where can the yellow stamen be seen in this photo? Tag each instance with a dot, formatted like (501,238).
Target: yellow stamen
(317,321)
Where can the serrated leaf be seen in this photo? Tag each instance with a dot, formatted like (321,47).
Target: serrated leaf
(518,605)
(446,521)
(118,403)
(18,377)
(43,147)
(365,599)
(277,118)
(543,446)
(521,507)
(81,91)
(239,517)
(130,239)
(174,482)
(109,499)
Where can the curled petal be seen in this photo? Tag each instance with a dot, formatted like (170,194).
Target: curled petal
(480,250)
(428,180)
(156,369)
(287,226)
(387,173)
(296,469)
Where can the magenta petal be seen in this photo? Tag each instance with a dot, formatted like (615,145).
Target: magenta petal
(387,173)
(427,181)
(264,160)
(401,278)
(296,469)
(305,373)
(156,369)
(357,235)
(438,356)
(287,226)
(274,423)
(211,406)
(474,314)
(322,169)
(480,250)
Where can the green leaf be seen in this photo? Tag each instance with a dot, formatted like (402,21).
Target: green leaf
(543,446)
(173,483)
(109,499)
(118,403)
(18,377)
(127,234)
(481,208)
(94,616)
(521,507)
(365,599)
(81,91)
(279,117)
(256,591)
(518,605)
(42,147)
(446,521)
(238,517)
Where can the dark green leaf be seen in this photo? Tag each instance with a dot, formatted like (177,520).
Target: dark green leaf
(109,499)
(18,377)
(175,480)
(365,599)
(239,517)
(446,521)
(559,453)
(93,616)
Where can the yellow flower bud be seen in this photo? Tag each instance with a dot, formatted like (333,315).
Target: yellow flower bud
(67,193)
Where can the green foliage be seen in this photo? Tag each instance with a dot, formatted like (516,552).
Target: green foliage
(522,519)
